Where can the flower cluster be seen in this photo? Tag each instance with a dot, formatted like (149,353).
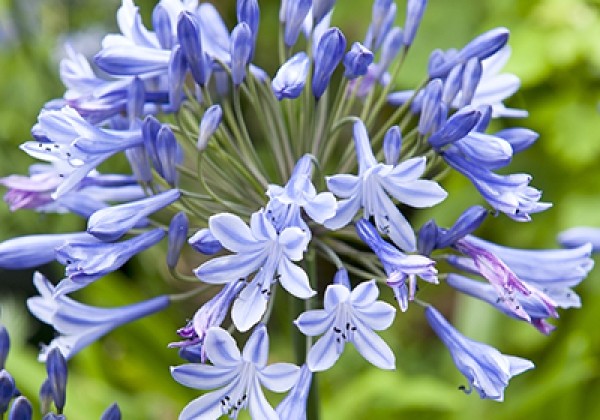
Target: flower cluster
(272,178)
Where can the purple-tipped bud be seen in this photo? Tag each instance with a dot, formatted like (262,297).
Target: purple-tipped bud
(204,242)
(188,33)
(178,230)
(166,151)
(7,390)
(208,125)
(414,15)
(390,48)
(321,8)
(452,84)
(518,138)
(357,61)
(428,237)
(471,77)
(56,367)
(341,277)
(4,345)
(485,45)
(46,398)
(392,145)
(177,72)
(466,224)
(110,223)
(135,99)
(21,409)
(291,77)
(295,13)
(112,413)
(161,22)
(455,128)
(328,55)
(431,104)
(241,50)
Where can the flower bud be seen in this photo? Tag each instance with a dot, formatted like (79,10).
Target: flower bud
(414,14)
(188,33)
(291,77)
(240,49)
(357,61)
(112,413)
(161,22)
(471,78)
(208,125)
(295,13)
(4,345)
(56,367)
(328,55)
(392,144)
(7,390)
(21,409)
(177,236)
(204,242)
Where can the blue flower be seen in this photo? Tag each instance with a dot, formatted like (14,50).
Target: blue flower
(414,14)
(111,223)
(238,376)
(293,13)
(80,325)
(20,409)
(285,204)
(208,125)
(178,231)
(7,390)
(293,406)
(357,61)
(261,249)
(56,368)
(204,242)
(35,250)
(4,345)
(291,77)
(486,369)
(348,317)
(86,262)
(327,56)
(241,51)
(369,191)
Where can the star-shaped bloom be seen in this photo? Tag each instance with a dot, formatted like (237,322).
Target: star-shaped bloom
(258,248)
(372,187)
(487,370)
(80,325)
(238,376)
(348,316)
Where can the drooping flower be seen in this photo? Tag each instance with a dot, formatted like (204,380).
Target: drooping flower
(239,377)
(486,369)
(261,249)
(348,316)
(369,190)
(80,325)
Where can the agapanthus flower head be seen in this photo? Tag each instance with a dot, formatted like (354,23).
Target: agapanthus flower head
(348,316)
(486,369)
(237,375)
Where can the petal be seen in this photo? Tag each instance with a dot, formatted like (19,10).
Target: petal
(279,377)
(364,294)
(377,316)
(261,227)
(224,269)
(258,405)
(249,307)
(343,185)
(519,365)
(323,353)
(256,349)
(345,212)
(199,376)
(419,193)
(389,220)
(294,279)
(364,153)
(409,170)
(293,240)
(233,233)
(206,407)
(221,348)
(334,295)
(372,347)
(321,208)
(314,322)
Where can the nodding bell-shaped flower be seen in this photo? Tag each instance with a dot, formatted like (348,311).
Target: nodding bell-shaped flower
(208,125)
(348,316)
(291,77)
(237,375)
(329,53)
(110,223)
(56,368)
(486,369)
(80,325)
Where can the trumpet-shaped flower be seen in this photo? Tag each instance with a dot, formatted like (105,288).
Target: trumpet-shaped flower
(348,316)
(261,249)
(239,377)
(80,325)
(370,190)
(486,369)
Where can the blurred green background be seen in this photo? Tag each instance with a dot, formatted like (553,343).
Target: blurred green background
(556,53)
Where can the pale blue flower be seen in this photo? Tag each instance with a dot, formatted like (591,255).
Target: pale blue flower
(238,377)
(86,262)
(486,369)
(293,406)
(80,325)
(348,317)
(261,249)
(370,190)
